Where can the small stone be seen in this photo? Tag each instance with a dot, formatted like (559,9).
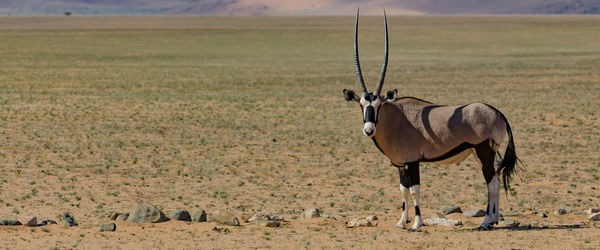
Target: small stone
(269,223)
(224,217)
(311,213)
(592,211)
(265,215)
(474,213)
(199,215)
(327,216)
(144,214)
(46,222)
(110,227)
(451,210)
(510,223)
(9,222)
(594,217)
(560,211)
(182,215)
(442,222)
(123,216)
(68,220)
(113,215)
(440,215)
(543,215)
(369,221)
(29,221)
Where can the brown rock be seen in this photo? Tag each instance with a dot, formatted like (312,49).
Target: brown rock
(29,221)
(594,217)
(224,217)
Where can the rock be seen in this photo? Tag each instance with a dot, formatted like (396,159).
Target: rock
(116,215)
(183,215)
(28,221)
(144,214)
(46,222)
(9,222)
(592,211)
(224,217)
(594,217)
(327,216)
(199,215)
(369,221)
(560,211)
(269,223)
(264,215)
(475,213)
(543,215)
(123,216)
(439,215)
(110,227)
(451,210)
(510,223)
(442,222)
(311,213)
(67,220)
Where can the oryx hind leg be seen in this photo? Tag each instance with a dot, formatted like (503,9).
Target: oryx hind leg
(485,154)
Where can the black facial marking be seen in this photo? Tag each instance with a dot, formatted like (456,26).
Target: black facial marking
(370,114)
(417,211)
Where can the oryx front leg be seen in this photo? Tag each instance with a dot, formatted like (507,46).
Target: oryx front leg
(414,192)
(405,192)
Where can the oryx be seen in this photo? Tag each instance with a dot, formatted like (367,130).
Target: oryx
(409,131)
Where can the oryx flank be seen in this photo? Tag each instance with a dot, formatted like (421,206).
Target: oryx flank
(409,131)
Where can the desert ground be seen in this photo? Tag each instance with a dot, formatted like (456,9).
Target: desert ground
(100,114)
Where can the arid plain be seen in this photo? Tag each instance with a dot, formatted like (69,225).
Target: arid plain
(100,114)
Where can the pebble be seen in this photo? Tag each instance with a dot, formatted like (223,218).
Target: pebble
(592,211)
(144,214)
(29,221)
(510,223)
(369,221)
(123,216)
(442,222)
(543,215)
(560,211)
(182,215)
(224,217)
(199,215)
(474,213)
(594,217)
(46,222)
(311,213)
(451,210)
(9,222)
(265,215)
(68,220)
(110,227)
(327,216)
(269,223)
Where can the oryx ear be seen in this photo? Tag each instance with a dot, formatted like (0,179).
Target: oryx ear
(349,95)
(391,95)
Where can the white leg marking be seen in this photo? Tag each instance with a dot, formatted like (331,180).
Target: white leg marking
(402,222)
(492,215)
(415,191)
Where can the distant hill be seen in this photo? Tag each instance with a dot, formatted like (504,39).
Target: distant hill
(296,7)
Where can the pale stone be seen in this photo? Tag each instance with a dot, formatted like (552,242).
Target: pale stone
(442,222)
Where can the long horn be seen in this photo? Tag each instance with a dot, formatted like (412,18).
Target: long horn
(385,59)
(361,81)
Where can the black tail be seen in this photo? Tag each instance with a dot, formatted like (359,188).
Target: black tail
(509,161)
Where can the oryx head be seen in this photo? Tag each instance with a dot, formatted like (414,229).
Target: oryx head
(370,102)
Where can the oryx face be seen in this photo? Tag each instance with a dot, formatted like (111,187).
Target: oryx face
(369,102)
(370,105)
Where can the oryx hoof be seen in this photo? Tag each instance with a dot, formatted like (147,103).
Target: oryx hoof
(414,230)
